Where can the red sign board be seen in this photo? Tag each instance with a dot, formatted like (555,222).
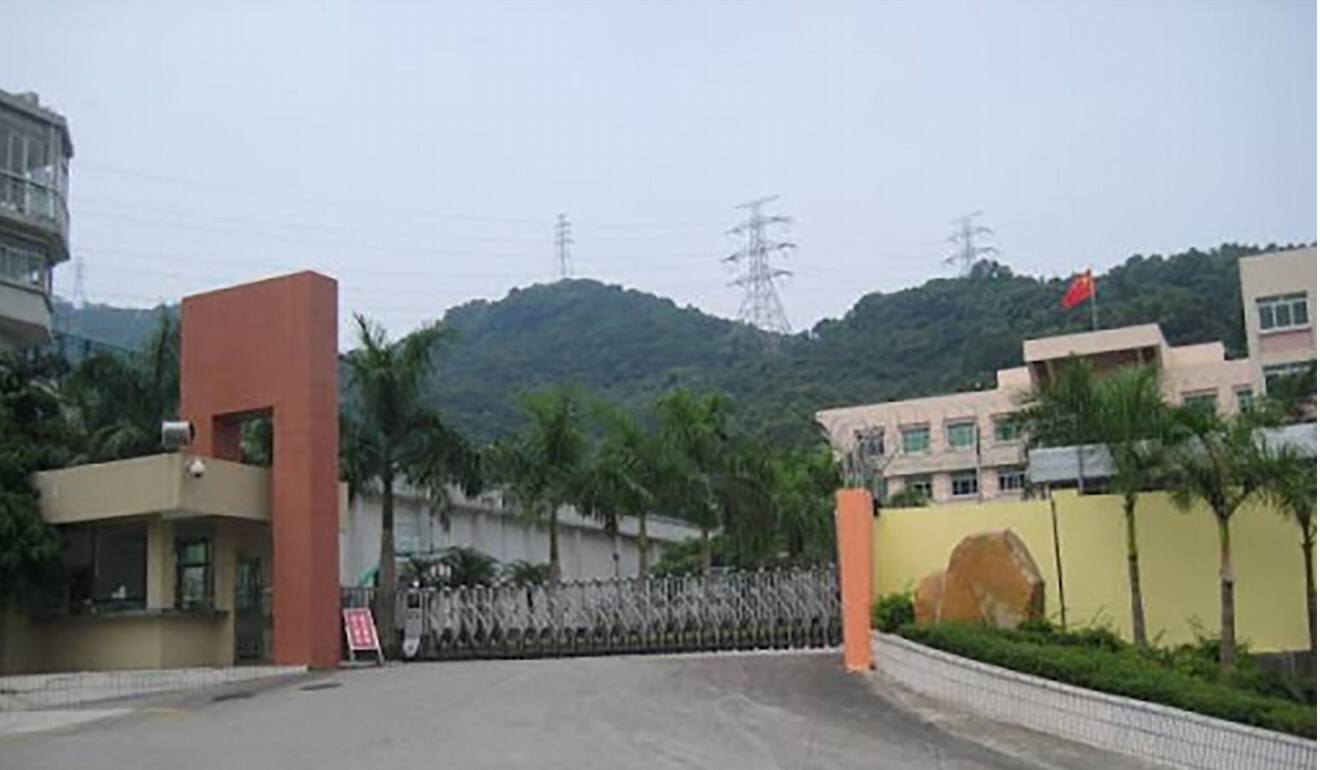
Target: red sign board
(360,628)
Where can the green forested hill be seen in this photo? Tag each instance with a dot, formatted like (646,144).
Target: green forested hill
(628,346)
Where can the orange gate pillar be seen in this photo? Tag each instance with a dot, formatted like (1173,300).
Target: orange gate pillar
(853,529)
(271,347)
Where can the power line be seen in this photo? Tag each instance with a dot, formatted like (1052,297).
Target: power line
(964,238)
(761,306)
(564,239)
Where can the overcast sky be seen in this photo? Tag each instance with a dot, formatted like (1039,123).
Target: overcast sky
(419,152)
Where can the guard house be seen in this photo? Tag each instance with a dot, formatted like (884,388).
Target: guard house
(193,558)
(166,563)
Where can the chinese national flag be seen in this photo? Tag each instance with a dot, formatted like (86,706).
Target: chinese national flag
(1083,286)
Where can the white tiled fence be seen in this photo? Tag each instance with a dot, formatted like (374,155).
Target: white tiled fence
(1133,728)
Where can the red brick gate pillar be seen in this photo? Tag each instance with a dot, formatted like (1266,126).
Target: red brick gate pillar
(271,347)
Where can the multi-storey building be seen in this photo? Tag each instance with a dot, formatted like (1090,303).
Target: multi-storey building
(1278,302)
(962,446)
(34,218)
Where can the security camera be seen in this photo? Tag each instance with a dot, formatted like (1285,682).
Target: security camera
(197,468)
(174,435)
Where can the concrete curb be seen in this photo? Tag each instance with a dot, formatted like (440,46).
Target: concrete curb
(45,691)
(1144,731)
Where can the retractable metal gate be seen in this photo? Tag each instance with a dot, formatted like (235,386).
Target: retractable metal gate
(726,611)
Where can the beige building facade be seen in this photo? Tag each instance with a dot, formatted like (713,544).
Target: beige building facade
(962,447)
(1278,304)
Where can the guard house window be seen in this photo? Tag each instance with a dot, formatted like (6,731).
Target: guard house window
(106,568)
(1245,398)
(918,485)
(1207,401)
(1007,429)
(1012,479)
(965,484)
(1284,311)
(962,435)
(916,440)
(871,442)
(194,584)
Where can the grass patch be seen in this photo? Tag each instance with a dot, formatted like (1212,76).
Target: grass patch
(1097,659)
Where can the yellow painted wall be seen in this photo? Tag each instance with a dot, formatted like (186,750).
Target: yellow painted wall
(1179,559)
(169,640)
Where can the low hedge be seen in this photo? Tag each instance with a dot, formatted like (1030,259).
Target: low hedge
(1093,661)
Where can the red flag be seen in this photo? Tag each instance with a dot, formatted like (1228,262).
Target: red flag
(1083,286)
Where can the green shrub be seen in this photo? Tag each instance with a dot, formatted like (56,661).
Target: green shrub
(892,611)
(1092,660)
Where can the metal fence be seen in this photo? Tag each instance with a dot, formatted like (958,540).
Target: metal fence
(732,611)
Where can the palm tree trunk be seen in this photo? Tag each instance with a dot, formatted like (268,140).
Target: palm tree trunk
(386,574)
(1134,572)
(644,550)
(1227,612)
(554,545)
(1308,554)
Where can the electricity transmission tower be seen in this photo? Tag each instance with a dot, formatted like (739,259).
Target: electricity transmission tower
(79,287)
(760,305)
(564,239)
(964,238)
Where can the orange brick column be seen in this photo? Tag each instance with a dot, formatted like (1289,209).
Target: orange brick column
(852,519)
(271,347)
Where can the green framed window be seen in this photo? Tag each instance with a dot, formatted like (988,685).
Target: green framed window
(918,484)
(1007,429)
(1012,479)
(1207,401)
(965,484)
(961,435)
(194,586)
(916,440)
(1284,311)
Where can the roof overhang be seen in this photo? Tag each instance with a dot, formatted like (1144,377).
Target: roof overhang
(1063,465)
(158,485)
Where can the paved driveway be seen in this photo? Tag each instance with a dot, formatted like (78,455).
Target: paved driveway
(725,712)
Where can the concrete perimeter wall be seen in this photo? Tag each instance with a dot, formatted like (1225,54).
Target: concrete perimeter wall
(1179,559)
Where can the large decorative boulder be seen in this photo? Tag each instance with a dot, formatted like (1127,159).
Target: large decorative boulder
(991,579)
(926,600)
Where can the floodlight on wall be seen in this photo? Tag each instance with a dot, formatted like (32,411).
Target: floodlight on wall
(176,434)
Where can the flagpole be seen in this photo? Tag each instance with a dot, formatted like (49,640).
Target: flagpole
(1095,322)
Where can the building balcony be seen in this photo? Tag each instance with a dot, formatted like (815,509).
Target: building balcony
(36,207)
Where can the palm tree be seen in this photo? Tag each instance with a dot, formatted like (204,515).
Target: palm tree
(1064,411)
(1125,411)
(691,438)
(120,400)
(1289,483)
(388,435)
(622,476)
(804,501)
(1215,462)
(1135,427)
(544,469)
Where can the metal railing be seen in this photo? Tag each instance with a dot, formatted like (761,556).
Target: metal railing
(33,199)
(25,268)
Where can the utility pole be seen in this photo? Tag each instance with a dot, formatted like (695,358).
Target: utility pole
(760,305)
(966,251)
(564,239)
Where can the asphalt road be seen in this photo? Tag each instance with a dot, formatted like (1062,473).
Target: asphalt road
(725,712)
